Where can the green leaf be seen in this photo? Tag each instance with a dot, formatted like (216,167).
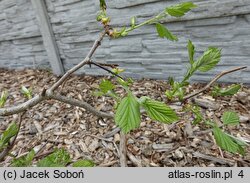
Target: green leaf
(59,158)
(230,118)
(24,161)
(208,60)
(127,116)
(27,92)
(117,70)
(164,32)
(101,15)
(191,51)
(197,114)
(3,98)
(133,20)
(181,9)
(123,32)
(171,81)
(231,90)
(239,141)
(103,5)
(159,111)
(83,163)
(106,86)
(226,142)
(169,94)
(125,83)
(10,132)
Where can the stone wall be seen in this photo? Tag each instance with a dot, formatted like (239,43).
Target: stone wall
(223,24)
(21,44)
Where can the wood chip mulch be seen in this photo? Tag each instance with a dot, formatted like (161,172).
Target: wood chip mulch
(52,124)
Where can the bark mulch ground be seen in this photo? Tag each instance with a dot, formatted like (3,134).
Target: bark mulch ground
(52,124)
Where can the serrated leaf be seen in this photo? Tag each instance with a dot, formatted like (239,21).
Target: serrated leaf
(208,60)
(181,9)
(127,115)
(230,118)
(83,163)
(164,32)
(106,86)
(226,142)
(159,111)
(24,161)
(10,132)
(191,51)
(231,90)
(59,158)
(239,141)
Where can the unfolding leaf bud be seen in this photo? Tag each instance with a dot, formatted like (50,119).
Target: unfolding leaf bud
(105,20)
(113,33)
(100,16)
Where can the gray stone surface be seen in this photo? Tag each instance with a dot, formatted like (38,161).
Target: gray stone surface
(21,44)
(224,24)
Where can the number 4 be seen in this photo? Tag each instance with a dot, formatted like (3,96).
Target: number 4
(241,174)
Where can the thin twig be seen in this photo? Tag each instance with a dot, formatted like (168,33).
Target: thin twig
(213,81)
(48,94)
(81,64)
(5,152)
(81,104)
(113,66)
(123,150)
(104,68)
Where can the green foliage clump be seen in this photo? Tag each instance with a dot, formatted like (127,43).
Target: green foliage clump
(24,161)
(10,132)
(59,158)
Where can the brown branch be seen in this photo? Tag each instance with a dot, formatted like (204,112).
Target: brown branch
(81,104)
(213,81)
(49,94)
(21,107)
(81,64)
(5,152)
(123,149)
(37,99)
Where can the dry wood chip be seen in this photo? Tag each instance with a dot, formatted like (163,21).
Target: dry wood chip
(83,146)
(38,127)
(163,147)
(93,145)
(134,160)
(61,133)
(207,104)
(50,127)
(214,159)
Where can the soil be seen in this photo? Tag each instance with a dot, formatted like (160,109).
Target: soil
(52,124)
